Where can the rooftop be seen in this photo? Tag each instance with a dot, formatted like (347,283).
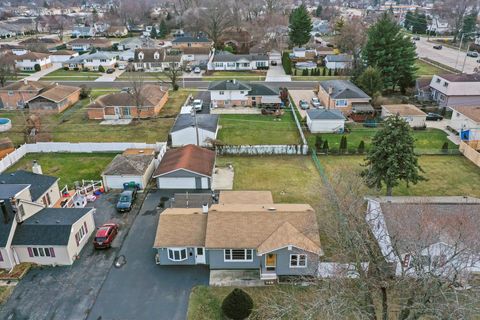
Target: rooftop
(207,122)
(325,114)
(190,157)
(241,197)
(129,164)
(181,227)
(404,109)
(343,89)
(471,112)
(39,183)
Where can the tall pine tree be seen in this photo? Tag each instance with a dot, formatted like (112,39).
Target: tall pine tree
(392,52)
(469,25)
(153,33)
(163,29)
(300,26)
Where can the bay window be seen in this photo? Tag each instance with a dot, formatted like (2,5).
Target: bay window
(178,254)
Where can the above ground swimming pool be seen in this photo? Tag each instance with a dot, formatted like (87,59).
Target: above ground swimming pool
(5,124)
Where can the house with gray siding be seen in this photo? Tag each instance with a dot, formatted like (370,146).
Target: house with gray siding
(243,231)
(451,90)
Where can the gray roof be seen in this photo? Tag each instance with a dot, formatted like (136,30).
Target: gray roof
(228,85)
(325,114)
(39,183)
(129,164)
(229,57)
(97,55)
(343,89)
(258,89)
(49,226)
(10,190)
(207,122)
(339,58)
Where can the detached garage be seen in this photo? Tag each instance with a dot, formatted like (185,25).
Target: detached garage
(322,120)
(133,165)
(188,167)
(414,116)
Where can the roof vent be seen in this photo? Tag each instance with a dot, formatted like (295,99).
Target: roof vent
(58,221)
(36,221)
(272,209)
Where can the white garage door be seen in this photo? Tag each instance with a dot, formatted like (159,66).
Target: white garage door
(116,182)
(176,183)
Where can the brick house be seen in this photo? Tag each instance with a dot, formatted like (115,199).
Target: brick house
(122,105)
(55,99)
(16,95)
(341,95)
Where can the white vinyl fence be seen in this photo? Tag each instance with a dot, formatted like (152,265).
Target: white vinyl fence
(292,149)
(81,147)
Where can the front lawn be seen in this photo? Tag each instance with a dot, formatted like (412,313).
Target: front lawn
(447,175)
(69,167)
(427,69)
(237,73)
(255,129)
(62,74)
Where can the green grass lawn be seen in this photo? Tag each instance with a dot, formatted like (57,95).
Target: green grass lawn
(254,129)
(429,139)
(426,69)
(5,292)
(238,73)
(447,175)
(146,75)
(69,167)
(61,74)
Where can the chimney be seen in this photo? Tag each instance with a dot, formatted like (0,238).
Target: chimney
(36,168)
(25,81)
(6,218)
(234,81)
(205,208)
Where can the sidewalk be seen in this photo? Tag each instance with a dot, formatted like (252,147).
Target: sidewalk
(442,125)
(37,75)
(110,77)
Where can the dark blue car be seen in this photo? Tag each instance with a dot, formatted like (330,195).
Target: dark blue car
(127,197)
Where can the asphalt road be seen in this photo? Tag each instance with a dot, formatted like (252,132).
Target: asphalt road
(447,56)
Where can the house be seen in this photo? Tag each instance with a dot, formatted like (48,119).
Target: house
(48,43)
(420,235)
(31,232)
(135,165)
(62,55)
(437,25)
(414,116)
(325,120)
(188,167)
(465,118)
(271,239)
(83,32)
(187,41)
(220,61)
(228,93)
(323,51)
(186,126)
(135,43)
(338,61)
(117,31)
(89,44)
(456,89)
(341,94)
(91,61)
(122,105)
(55,99)
(17,50)
(29,61)
(16,95)
(155,60)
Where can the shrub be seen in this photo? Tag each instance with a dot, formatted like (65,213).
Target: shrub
(329,72)
(325,146)
(324,72)
(75,69)
(84,91)
(445,147)
(175,87)
(305,72)
(286,63)
(318,143)
(343,144)
(101,69)
(65,68)
(361,147)
(37,67)
(237,305)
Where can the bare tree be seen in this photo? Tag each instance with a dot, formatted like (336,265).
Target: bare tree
(454,11)
(137,85)
(173,73)
(7,70)
(214,19)
(351,37)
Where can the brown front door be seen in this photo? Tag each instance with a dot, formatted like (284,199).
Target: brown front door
(270,262)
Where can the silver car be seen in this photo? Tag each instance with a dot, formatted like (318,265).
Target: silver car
(316,103)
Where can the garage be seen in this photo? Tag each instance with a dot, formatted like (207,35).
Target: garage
(325,121)
(189,167)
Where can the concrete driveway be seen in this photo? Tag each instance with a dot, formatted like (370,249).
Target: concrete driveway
(109,77)
(141,289)
(68,292)
(277,74)
(37,75)
(298,95)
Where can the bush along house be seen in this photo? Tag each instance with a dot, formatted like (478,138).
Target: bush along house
(272,239)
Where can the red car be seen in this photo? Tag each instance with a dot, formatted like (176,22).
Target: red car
(105,235)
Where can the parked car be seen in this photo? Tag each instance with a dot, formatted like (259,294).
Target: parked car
(316,103)
(438,47)
(110,70)
(473,54)
(431,116)
(122,67)
(161,43)
(188,69)
(197,104)
(416,38)
(125,202)
(197,70)
(125,89)
(273,63)
(304,105)
(105,236)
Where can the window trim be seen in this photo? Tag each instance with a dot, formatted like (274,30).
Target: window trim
(298,260)
(171,254)
(237,260)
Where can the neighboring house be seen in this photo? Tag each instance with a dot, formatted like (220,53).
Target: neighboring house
(438,26)
(456,89)
(91,61)
(48,43)
(270,238)
(55,99)
(187,41)
(220,61)
(414,116)
(83,32)
(155,60)
(62,55)
(89,44)
(325,120)
(29,232)
(228,93)
(135,43)
(323,51)
(338,61)
(341,94)
(135,165)
(123,105)
(422,89)
(465,118)
(188,167)
(28,61)
(16,95)
(17,50)
(186,127)
(434,235)
(117,31)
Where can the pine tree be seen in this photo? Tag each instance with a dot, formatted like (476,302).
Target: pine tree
(153,33)
(370,81)
(391,158)
(469,24)
(237,305)
(408,20)
(319,10)
(286,63)
(325,146)
(419,23)
(300,26)
(343,144)
(324,72)
(163,29)
(361,147)
(318,142)
(393,53)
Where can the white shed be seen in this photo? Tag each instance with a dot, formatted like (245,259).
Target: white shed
(184,132)
(325,120)
(414,116)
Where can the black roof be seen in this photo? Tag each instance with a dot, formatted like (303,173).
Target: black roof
(343,89)
(228,85)
(5,228)
(207,122)
(49,226)
(39,183)
(258,89)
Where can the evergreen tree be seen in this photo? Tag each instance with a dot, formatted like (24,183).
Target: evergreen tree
(286,63)
(318,142)
(391,158)
(392,52)
(325,146)
(469,25)
(408,20)
(153,33)
(370,81)
(163,29)
(329,72)
(324,72)
(361,147)
(419,23)
(343,144)
(319,10)
(300,26)
(237,305)
(445,147)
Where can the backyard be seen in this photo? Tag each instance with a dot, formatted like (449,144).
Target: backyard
(258,129)
(62,74)
(69,167)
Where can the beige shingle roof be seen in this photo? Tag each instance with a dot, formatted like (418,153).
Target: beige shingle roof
(181,227)
(472,112)
(58,93)
(404,109)
(241,197)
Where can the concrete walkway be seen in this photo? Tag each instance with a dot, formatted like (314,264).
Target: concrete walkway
(442,125)
(277,74)
(109,77)
(37,75)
